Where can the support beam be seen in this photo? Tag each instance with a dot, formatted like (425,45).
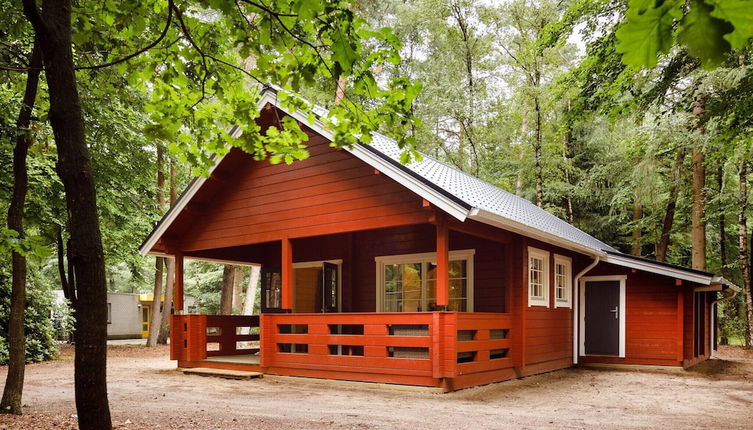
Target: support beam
(178,286)
(680,325)
(443,263)
(287,274)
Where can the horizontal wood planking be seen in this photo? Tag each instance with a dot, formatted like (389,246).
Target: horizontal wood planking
(329,192)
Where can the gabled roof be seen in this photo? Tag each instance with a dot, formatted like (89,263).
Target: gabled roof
(461,196)
(485,200)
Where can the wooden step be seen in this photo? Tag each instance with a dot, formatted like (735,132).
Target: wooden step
(222,373)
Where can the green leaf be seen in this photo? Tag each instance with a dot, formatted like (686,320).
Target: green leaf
(647,32)
(739,13)
(703,35)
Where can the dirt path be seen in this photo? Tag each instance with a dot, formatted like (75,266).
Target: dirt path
(147,392)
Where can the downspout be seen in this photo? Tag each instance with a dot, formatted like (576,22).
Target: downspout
(576,306)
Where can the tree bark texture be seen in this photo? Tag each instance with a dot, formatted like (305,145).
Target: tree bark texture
(699,204)
(669,213)
(226,295)
(722,226)
(742,236)
(156,313)
(14,382)
(164,327)
(52,26)
(636,238)
(537,153)
(237,279)
(698,211)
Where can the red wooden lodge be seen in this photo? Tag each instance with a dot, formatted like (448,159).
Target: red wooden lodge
(416,274)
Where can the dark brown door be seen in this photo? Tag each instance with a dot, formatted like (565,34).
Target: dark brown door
(602,318)
(329,287)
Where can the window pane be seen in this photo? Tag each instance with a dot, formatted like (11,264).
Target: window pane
(458,269)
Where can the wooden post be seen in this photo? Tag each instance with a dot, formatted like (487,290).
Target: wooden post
(443,263)
(287,274)
(680,326)
(178,285)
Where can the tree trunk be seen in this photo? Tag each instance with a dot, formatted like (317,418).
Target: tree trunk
(253,282)
(742,236)
(66,283)
(164,328)
(537,149)
(722,226)
(669,214)
(637,215)
(155,312)
(159,262)
(52,27)
(237,279)
(167,306)
(14,382)
(226,296)
(699,205)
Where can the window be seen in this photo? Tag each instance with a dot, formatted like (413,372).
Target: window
(563,279)
(408,283)
(538,277)
(109,313)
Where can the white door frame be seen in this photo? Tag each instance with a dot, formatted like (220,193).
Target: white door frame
(582,310)
(309,264)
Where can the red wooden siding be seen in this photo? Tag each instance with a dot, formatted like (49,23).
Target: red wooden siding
(654,332)
(548,330)
(489,263)
(331,191)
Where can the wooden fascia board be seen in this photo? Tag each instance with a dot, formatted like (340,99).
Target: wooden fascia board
(269,97)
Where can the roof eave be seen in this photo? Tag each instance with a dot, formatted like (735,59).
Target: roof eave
(648,266)
(495,220)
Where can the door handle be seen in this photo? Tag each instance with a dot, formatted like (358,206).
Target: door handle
(616,312)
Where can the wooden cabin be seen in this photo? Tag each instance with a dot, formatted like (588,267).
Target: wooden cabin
(416,274)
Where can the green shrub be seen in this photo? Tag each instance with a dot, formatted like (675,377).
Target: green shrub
(40,326)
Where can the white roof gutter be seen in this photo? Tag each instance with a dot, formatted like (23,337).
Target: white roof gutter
(647,266)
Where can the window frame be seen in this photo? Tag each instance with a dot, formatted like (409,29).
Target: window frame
(423,259)
(544,256)
(568,263)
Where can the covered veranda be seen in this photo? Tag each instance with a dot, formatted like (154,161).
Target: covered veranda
(342,330)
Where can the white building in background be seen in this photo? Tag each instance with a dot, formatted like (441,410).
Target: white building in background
(128,314)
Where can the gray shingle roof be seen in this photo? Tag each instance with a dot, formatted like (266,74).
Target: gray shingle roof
(480,194)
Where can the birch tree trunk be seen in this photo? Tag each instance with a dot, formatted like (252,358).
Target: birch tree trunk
(253,283)
(164,326)
(226,295)
(237,279)
(159,262)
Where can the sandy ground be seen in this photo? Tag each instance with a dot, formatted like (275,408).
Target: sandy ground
(146,391)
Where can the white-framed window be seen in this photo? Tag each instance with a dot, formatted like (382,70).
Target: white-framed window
(538,277)
(563,281)
(408,283)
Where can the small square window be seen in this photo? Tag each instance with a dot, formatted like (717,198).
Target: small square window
(538,277)
(563,282)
